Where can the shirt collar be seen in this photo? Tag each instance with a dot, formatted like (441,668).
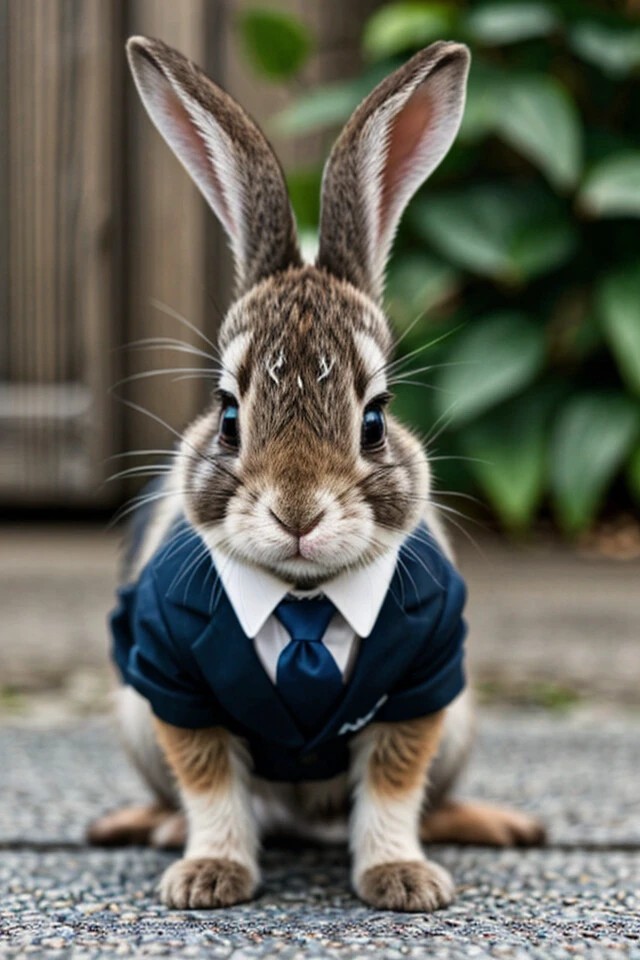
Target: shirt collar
(357,594)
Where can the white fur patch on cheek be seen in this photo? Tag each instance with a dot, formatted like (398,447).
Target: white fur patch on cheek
(232,359)
(374,363)
(201,475)
(195,469)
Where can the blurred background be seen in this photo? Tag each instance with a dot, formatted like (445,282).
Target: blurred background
(518,263)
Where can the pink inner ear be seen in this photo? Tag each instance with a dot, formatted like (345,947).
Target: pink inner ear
(196,150)
(408,131)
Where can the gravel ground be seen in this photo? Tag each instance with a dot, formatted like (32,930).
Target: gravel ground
(580,773)
(538,904)
(580,896)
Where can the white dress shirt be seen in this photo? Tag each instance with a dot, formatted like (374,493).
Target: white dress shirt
(357,596)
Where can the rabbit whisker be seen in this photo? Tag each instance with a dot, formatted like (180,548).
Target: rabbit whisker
(168,343)
(170,312)
(163,423)
(139,501)
(141,452)
(162,371)
(144,470)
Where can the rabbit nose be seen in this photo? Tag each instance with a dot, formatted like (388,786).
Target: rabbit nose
(298,531)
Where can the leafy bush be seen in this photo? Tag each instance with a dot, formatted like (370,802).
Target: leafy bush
(523,250)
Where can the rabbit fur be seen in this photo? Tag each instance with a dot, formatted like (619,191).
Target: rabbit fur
(304,349)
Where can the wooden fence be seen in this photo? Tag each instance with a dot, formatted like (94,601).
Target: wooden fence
(100,220)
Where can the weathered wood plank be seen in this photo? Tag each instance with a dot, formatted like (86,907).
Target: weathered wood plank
(167,241)
(63,209)
(4,188)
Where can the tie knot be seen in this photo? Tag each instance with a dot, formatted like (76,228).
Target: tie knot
(305,619)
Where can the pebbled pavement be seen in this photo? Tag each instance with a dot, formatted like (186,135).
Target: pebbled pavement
(580,774)
(580,896)
(541,904)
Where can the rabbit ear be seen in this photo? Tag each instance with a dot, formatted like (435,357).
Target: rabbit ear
(225,153)
(394,140)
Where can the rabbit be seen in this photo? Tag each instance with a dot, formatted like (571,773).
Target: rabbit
(298,476)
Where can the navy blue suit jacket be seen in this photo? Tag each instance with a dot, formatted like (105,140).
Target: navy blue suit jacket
(178,642)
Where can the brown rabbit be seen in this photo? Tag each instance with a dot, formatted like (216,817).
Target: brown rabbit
(298,482)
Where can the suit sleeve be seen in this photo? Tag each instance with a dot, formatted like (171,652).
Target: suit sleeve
(151,660)
(437,675)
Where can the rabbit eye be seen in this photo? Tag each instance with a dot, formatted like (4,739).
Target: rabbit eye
(373,427)
(228,432)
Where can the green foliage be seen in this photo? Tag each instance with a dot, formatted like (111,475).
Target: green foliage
(522,249)
(619,304)
(540,120)
(418,284)
(326,107)
(592,437)
(507,451)
(277,43)
(496,230)
(613,186)
(614,50)
(633,473)
(304,190)
(321,108)
(397,27)
(489,361)
(495,24)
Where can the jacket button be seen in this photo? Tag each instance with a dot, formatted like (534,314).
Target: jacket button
(308,759)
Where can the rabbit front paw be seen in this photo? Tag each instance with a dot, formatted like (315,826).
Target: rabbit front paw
(413,886)
(206,883)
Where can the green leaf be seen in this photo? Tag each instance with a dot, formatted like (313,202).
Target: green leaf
(534,114)
(618,302)
(397,27)
(502,23)
(326,106)
(414,407)
(491,360)
(633,474)
(540,245)
(507,447)
(485,94)
(538,118)
(593,436)
(276,43)
(503,232)
(304,190)
(613,186)
(416,284)
(615,51)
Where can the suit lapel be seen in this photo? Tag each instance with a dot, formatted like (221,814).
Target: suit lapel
(225,655)
(232,669)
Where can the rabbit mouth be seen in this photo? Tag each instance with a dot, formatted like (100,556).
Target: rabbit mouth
(304,551)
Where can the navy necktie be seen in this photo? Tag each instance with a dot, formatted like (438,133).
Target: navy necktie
(307,676)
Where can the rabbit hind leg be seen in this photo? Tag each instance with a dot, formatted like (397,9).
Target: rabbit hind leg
(481,824)
(144,825)
(159,823)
